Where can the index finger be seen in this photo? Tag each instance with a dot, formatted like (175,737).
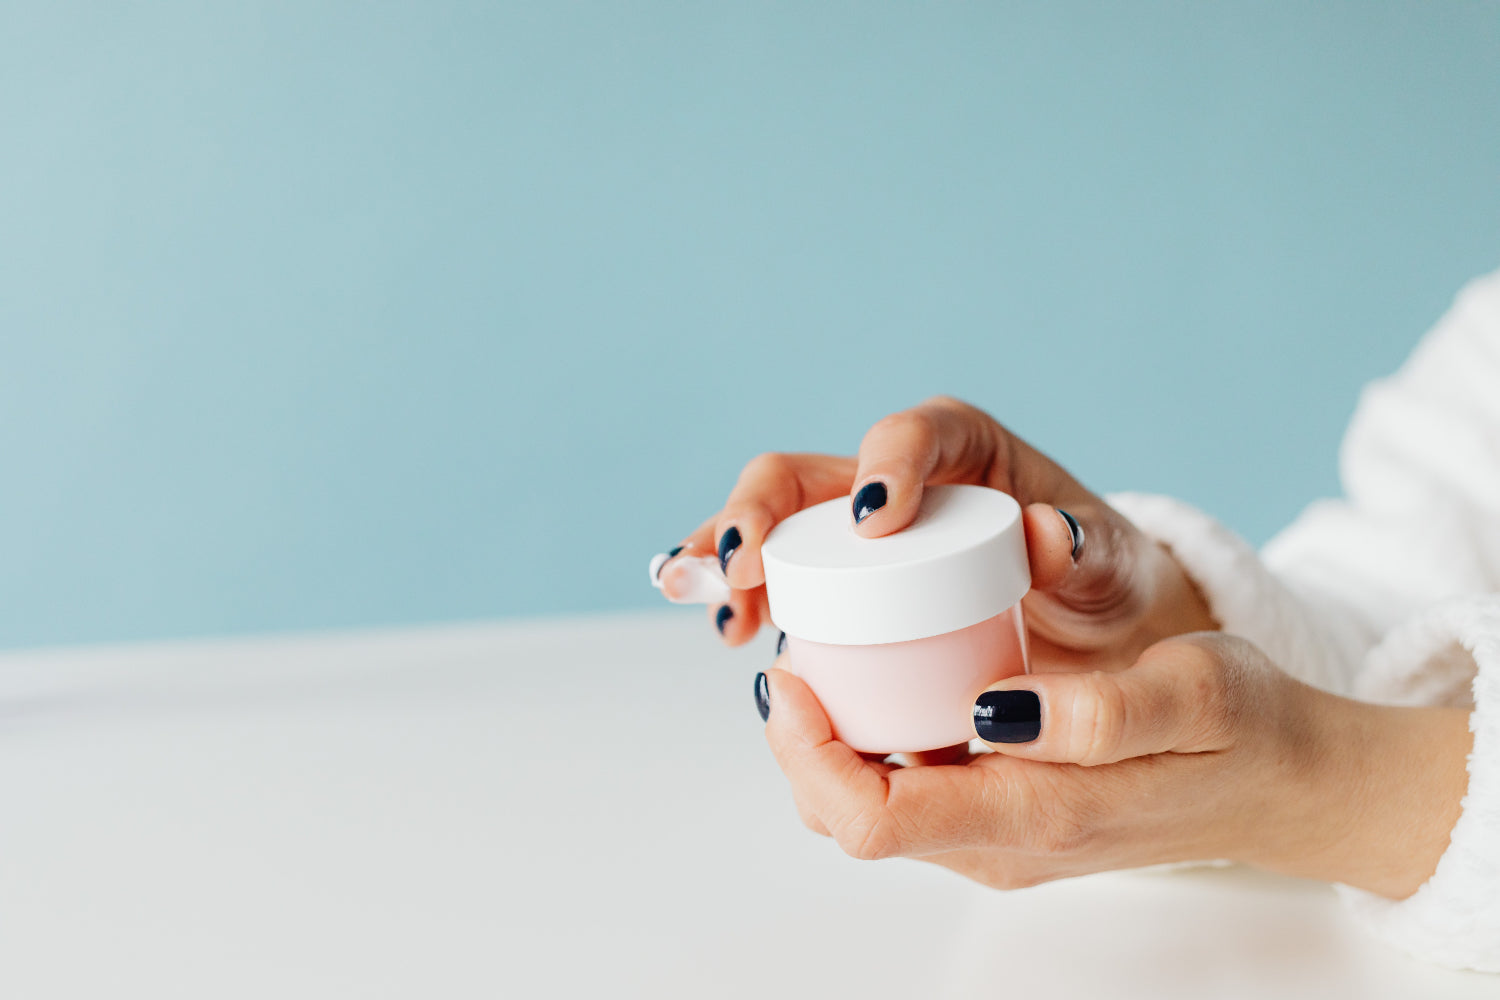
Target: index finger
(771,488)
(945,440)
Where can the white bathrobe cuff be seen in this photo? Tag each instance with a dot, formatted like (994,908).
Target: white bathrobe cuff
(1449,655)
(1311,637)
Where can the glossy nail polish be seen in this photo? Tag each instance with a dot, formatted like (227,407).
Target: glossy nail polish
(763,696)
(729,544)
(722,618)
(1008,716)
(1075,530)
(870,498)
(781,644)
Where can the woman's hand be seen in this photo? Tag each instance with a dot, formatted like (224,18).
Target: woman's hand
(1202,750)
(1101,591)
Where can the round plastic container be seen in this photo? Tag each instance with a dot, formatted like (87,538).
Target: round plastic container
(898,635)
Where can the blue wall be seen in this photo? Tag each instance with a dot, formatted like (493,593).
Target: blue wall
(327,314)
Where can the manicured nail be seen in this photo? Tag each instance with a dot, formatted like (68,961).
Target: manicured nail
(1008,716)
(781,644)
(722,618)
(763,696)
(1075,530)
(659,563)
(869,499)
(729,544)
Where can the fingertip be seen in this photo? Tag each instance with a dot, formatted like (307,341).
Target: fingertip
(795,712)
(689,579)
(737,547)
(884,503)
(1075,532)
(1008,717)
(869,499)
(729,542)
(1049,545)
(723,617)
(778,679)
(736,620)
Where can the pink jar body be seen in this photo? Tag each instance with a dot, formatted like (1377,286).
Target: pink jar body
(915,695)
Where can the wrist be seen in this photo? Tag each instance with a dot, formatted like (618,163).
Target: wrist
(1368,794)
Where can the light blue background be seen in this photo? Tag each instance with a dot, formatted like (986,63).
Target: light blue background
(332,314)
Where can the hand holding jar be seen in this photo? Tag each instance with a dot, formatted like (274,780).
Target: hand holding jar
(1129,742)
(1091,606)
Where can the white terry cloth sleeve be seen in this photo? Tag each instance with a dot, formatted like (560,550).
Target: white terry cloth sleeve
(1392,594)
(1450,655)
(1315,639)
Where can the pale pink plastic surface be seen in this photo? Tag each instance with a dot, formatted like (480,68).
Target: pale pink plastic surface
(915,695)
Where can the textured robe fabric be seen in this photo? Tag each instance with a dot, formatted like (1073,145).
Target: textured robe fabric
(1392,595)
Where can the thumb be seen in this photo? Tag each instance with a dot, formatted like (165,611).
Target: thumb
(1175,699)
(832,784)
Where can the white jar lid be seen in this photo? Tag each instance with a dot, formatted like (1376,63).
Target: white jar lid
(961,561)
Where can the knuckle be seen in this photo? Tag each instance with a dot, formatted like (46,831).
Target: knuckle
(903,425)
(789,749)
(1098,722)
(943,401)
(950,408)
(868,837)
(768,465)
(812,822)
(1208,687)
(1208,677)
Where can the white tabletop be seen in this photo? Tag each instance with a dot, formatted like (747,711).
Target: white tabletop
(570,808)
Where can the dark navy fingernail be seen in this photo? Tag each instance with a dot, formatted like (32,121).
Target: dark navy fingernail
(763,696)
(722,618)
(674,552)
(1008,716)
(869,499)
(781,644)
(729,543)
(1075,530)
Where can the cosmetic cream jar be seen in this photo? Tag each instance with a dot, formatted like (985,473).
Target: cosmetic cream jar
(897,636)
